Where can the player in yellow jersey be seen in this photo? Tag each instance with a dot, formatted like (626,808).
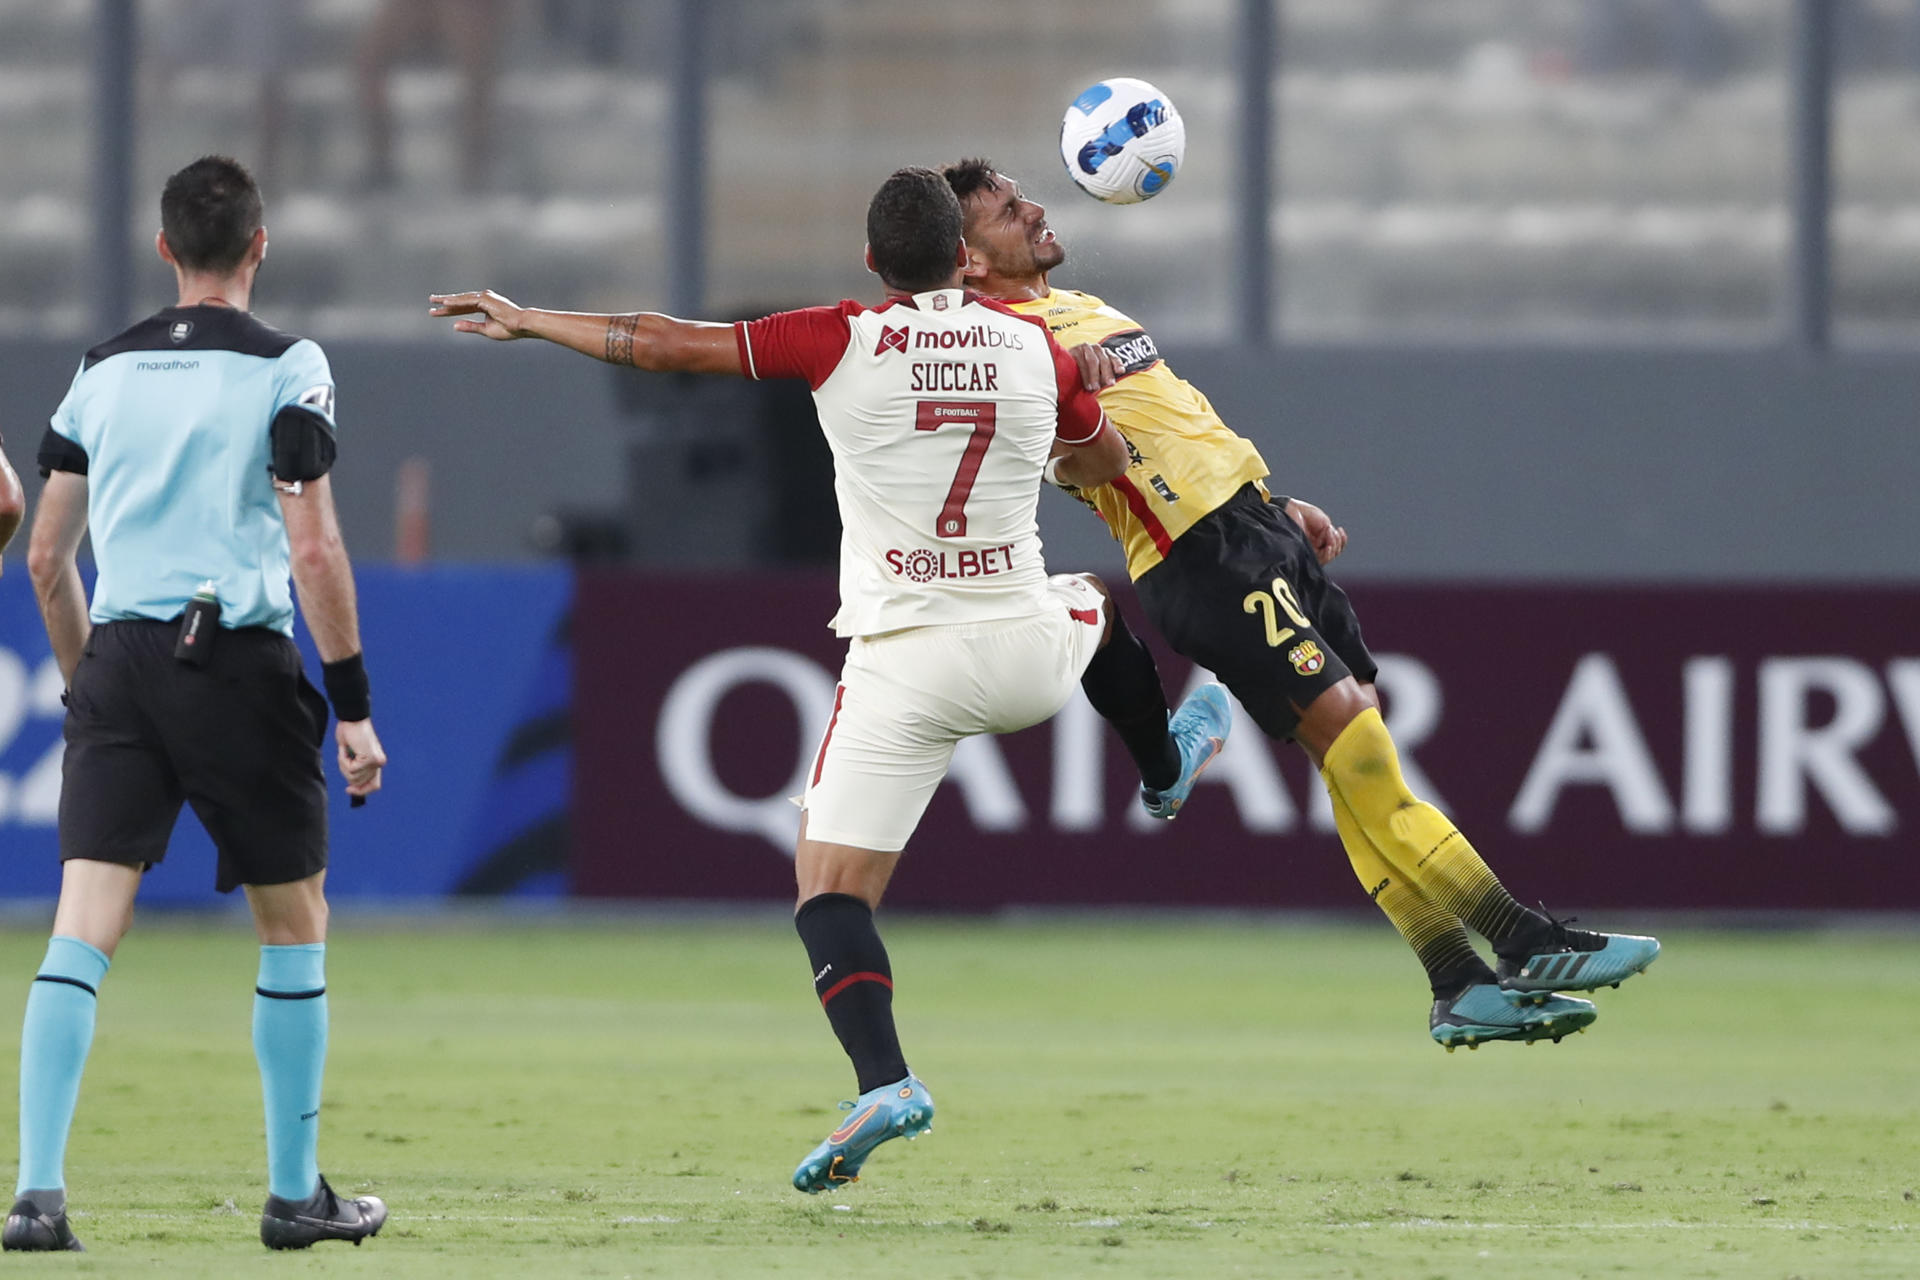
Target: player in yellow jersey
(1233,578)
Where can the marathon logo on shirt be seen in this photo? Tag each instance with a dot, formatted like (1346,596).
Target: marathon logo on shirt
(923,565)
(1134,350)
(165,366)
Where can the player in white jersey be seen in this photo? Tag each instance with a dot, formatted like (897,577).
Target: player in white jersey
(943,411)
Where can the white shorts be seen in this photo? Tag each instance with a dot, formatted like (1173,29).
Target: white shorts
(907,698)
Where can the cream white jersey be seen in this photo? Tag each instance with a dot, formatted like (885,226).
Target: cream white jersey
(941,410)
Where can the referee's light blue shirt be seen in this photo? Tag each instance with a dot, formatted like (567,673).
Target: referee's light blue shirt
(171,424)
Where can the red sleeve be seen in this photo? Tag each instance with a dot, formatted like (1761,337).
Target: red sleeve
(1080,413)
(796,344)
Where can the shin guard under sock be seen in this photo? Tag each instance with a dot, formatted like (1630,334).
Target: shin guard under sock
(854,981)
(1123,685)
(1434,933)
(54,1042)
(1362,769)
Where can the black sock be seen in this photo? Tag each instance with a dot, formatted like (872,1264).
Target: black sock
(1124,687)
(1518,932)
(854,982)
(1449,975)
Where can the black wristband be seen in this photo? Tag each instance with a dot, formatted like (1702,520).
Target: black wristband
(347,688)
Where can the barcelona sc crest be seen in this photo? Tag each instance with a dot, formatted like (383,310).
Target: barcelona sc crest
(1307,658)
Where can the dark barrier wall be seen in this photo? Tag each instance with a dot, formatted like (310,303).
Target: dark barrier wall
(1630,747)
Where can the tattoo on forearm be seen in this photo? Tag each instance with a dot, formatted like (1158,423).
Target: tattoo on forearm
(620,338)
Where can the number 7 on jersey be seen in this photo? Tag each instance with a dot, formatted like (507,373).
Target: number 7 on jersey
(931,415)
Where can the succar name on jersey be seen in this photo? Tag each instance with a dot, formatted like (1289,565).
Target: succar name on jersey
(923,565)
(954,376)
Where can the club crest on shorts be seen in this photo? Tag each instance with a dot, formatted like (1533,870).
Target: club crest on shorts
(1307,658)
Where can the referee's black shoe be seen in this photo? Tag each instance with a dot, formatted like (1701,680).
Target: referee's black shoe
(32,1229)
(295,1224)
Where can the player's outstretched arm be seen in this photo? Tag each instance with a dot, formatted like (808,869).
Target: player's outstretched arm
(643,339)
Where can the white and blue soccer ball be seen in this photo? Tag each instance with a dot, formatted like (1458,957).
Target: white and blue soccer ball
(1122,141)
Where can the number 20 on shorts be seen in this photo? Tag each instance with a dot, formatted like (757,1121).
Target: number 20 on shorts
(1270,605)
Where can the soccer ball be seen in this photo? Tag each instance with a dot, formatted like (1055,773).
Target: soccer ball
(1122,141)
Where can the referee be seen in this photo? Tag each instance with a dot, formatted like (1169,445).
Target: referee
(196,445)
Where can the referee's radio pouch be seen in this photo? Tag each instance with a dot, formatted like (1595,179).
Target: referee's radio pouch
(199,625)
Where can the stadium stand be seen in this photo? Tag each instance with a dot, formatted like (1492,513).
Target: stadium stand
(1443,168)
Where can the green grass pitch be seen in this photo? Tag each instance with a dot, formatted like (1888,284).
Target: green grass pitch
(1116,1098)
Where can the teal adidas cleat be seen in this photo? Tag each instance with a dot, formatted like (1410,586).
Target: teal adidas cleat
(1199,729)
(1575,960)
(903,1109)
(1484,1012)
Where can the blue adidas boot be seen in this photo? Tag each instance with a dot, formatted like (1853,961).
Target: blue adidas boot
(1574,960)
(1484,1012)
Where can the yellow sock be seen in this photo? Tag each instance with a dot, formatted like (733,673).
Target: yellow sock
(1416,840)
(1431,930)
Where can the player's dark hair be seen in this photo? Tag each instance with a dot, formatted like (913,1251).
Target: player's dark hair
(913,228)
(209,212)
(968,177)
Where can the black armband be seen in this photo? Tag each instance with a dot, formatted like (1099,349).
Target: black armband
(303,445)
(57,453)
(347,688)
(1280,500)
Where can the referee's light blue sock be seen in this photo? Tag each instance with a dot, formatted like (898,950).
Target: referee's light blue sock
(290,1041)
(53,1052)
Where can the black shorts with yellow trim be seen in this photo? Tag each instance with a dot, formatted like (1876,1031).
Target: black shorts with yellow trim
(1242,594)
(238,739)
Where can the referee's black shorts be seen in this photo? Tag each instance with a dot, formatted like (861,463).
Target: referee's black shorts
(238,739)
(1242,594)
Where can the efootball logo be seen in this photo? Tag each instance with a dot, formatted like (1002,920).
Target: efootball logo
(892,339)
(1307,658)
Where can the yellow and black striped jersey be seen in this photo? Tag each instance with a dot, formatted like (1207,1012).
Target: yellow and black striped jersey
(1185,460)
